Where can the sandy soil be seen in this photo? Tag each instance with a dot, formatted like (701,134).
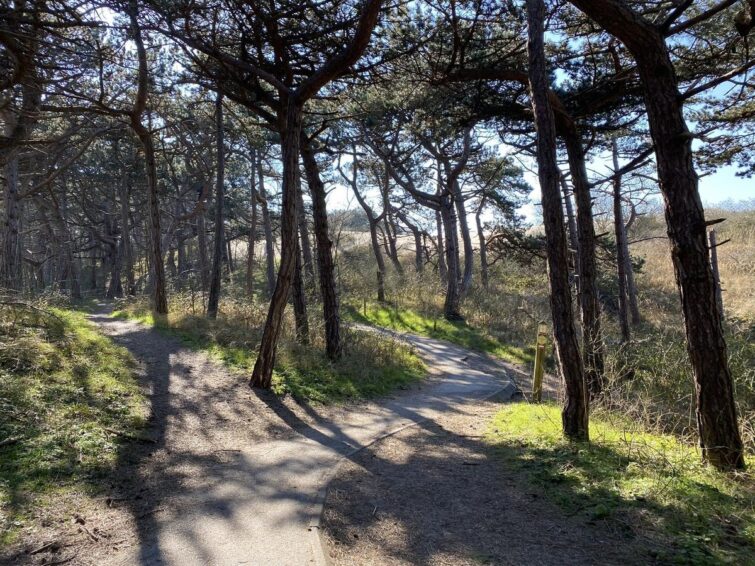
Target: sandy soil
(431,494)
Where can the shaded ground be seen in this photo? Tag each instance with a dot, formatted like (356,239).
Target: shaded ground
(228,475)
(431,495)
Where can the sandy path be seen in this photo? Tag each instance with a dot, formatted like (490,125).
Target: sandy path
(238,477)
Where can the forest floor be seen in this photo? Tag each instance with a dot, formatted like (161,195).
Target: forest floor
(227,475)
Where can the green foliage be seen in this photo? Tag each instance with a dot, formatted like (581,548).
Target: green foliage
(649,485)
(68,396)
(371,366)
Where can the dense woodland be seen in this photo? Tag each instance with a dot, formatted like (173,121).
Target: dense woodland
(249,154)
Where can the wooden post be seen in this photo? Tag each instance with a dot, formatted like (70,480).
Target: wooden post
(537,378)
(714,267)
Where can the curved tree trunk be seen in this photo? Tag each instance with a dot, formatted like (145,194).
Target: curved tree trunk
(575,413)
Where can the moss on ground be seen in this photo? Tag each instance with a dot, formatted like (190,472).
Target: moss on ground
(68,398)
(646,484)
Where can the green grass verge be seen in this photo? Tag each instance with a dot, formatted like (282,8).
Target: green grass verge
(460,333)
(67,398)
(649,484)
(371,366)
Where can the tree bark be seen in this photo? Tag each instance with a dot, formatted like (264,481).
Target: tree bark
(11,258)
(251,241)
(466,237)
(325,264)
(442,267)
(299,300)
(483,245)
(592,337)
(213,299)
(451,307)
(575,412)
(621,260)
(290,128)
(159,292)
(306,245)
(267,225)
(716,412)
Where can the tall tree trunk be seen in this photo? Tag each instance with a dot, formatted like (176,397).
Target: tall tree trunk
(390,235)
(204,268)
(466,237)
(267,225)
(451,308)
(159,289)
(483,246)
(716,412)
(126,246)
(442,267)
(325,264)
(290,128)
(299,300)
(575,413)
(592,338)
(379,259)
(621,248)
(251,242)
(11,257)
(306,245)
(219,242)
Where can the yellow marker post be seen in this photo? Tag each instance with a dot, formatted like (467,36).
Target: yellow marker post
(537,377)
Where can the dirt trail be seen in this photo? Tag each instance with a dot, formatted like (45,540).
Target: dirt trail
(234,476)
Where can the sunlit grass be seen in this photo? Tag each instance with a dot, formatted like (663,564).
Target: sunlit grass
(647,484)
(408,320)
(371,366)
(67,398)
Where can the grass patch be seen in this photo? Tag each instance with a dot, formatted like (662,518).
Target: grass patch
(408,320)
(649,484)
(371,366)
(68,395)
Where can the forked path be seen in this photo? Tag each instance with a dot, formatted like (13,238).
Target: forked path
(232,476)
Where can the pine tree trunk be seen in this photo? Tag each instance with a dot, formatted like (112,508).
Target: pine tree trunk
(251,242)
(483,246)
(219,241)
(716,412)
(442,267)
(267,225)
(379,259)
(621,247)
(575,412)
(10,274)
(466,238)
(299,300)
(592,337)
(290,128)
(306,245)
(325,264)
(451,308)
